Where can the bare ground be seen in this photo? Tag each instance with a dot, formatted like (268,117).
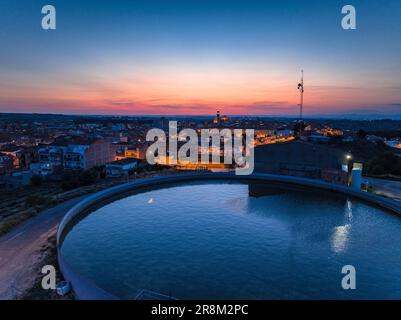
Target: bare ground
(24,250)
(31,244)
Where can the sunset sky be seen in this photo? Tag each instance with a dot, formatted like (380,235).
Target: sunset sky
(194,57)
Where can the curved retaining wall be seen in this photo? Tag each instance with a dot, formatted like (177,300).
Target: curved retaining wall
(85,289)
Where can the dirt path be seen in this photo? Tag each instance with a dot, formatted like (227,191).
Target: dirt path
(22,248)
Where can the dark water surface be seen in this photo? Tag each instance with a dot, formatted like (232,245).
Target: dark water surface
(214,241)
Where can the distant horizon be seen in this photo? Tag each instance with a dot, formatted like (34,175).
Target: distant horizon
(194,57)
(353,117)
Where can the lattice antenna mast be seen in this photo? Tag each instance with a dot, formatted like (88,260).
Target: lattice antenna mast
(301,91)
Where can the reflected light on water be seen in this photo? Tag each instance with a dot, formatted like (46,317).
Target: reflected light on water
(340,236)
(339,239)
(348,212)
(213,240)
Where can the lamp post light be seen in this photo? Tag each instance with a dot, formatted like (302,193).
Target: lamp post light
(348,158)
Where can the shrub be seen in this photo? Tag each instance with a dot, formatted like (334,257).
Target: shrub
(69,185)
(36,200)
(84,178)
(88,177)
(36,180)
(385,163)
(361,134)
(378,169)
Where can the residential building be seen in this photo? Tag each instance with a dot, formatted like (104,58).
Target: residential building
(51,158)
(120,168)
(16,180)
(75,155)
(6,163)
(86,154)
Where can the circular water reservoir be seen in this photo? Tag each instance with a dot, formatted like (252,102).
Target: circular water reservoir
(231,240)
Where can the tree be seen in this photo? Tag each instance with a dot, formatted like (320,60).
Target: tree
(336,139)
(36,180)
(361,134)
(84,178)
(88,177)
(385,163)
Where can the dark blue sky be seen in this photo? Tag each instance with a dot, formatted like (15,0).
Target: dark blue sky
(187,56)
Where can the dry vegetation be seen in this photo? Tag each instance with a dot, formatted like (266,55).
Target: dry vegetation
(19,205)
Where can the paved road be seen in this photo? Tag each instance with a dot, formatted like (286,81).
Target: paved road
(20,248)
(388,188)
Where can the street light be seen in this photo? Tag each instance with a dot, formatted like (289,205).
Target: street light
(348,157)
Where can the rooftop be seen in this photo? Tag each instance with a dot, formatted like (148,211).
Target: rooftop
(123,161)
